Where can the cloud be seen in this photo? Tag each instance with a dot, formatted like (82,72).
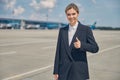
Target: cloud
(48,3)
(35,5)
(94,1)
(19,10)
(7,4)
(10,4)
(81,8)
(2,1)
(43,4)
(36,16)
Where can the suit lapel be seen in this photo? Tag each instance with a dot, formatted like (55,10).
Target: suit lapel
(75,35)
(66,37)
(66,42)
(69,48)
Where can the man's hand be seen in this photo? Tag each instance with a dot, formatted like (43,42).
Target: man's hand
(56,76)
(77,44)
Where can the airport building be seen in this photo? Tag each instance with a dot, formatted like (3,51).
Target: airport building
(8,23)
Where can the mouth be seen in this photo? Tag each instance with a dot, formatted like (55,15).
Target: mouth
(72,20)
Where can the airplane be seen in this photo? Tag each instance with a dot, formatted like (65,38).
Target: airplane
(93,26)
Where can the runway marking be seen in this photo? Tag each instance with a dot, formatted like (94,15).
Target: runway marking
(107,49)
(5,53)
(49,66)
(48,47)
(117,46)
(27,73)
(23,43)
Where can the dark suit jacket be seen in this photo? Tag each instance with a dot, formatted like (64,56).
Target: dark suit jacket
(71,63)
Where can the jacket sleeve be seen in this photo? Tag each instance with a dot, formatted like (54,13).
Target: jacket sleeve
(90,45)
(57,55)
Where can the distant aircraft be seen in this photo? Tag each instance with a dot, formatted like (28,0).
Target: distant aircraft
(55,25)
(93,26)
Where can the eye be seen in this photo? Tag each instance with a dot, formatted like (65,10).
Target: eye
(71,14)
(68,14)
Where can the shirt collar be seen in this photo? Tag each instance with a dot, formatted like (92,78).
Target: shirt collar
(73,27)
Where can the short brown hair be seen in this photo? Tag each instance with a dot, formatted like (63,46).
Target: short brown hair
(70,6)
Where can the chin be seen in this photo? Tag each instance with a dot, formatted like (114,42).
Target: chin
(72,22)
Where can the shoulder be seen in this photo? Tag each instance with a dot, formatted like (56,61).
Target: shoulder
(64,28)
(84,27)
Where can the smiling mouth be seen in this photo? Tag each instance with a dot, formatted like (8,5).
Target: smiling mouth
(72,20)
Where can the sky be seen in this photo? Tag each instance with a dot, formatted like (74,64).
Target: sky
(104,12)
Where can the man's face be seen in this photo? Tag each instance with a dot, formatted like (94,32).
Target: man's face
(72,16)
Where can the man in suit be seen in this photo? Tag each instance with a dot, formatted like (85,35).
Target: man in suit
(74,41)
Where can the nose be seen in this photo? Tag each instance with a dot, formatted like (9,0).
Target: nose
(71,16)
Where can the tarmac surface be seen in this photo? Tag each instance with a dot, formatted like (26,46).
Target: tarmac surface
(29,55)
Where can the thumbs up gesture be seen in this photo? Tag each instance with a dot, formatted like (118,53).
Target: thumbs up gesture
(77,44)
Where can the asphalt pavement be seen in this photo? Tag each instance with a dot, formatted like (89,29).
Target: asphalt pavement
(29,55)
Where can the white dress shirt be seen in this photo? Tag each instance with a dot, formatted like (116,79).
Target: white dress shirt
(71,32)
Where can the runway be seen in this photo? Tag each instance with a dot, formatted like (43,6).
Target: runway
(29,55)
